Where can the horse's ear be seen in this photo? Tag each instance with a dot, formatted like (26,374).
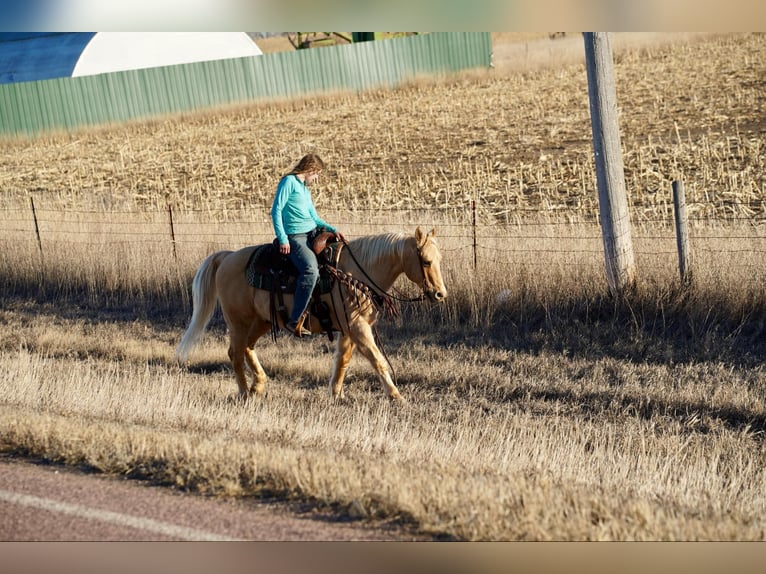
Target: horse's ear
(432,233)
(419,236)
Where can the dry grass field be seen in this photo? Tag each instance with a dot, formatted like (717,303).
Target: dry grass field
(538,407)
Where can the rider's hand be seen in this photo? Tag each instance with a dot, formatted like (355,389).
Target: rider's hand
(284,248)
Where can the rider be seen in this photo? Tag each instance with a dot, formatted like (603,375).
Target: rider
(295,221)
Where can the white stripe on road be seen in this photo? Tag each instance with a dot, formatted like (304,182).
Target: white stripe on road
(146,524)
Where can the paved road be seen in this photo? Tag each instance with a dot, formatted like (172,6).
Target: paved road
(54,503)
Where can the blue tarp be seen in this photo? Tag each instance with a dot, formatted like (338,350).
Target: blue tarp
(32,56)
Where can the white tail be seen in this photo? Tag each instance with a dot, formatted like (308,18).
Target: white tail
(204,299)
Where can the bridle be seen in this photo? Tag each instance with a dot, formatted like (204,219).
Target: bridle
(427,285)
(397,297)
(383,300)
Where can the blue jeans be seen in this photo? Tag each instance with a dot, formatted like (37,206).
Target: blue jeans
(308,272)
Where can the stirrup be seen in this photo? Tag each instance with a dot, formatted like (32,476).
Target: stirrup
(296,329)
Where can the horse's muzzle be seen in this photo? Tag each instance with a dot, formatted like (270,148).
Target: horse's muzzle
(436,296)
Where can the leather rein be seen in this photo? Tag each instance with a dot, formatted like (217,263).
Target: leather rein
(383,291)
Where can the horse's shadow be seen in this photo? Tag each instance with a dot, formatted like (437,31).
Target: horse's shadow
(205,367)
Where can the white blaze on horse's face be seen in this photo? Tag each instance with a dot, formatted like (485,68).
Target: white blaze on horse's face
(425,268)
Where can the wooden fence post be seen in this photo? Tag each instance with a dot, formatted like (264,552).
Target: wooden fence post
(610,175)
(682,233)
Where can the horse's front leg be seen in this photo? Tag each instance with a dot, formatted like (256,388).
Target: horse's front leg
(343,351)
(257,330)
(363,337)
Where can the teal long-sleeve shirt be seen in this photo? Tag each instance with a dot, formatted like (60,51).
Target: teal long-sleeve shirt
(293,210)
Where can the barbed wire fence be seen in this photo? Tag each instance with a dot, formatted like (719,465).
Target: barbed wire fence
(527,237)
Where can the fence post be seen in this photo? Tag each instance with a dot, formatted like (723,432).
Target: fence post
(172,231)
(37,227)
(473,225)
(682,233)
(610,175)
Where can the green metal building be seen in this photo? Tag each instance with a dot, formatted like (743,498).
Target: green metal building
(66,103)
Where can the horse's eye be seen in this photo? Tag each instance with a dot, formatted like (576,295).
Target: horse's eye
(426,264)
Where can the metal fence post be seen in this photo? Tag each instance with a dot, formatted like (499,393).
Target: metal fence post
(473,226)
(37,227)
(172,231)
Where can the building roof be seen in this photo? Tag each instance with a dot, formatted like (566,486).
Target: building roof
(32,56)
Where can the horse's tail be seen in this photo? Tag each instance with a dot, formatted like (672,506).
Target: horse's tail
(204,299)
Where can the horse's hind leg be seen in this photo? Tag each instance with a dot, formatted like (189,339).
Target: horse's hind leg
(343,352)
(259,375)
(237,348)
(363,337)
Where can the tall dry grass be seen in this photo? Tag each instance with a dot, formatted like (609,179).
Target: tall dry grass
(518,277)
(496,443)
(538,407)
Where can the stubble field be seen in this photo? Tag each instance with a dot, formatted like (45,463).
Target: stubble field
(538,407)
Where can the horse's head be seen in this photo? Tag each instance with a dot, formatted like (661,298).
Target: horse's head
(423,265)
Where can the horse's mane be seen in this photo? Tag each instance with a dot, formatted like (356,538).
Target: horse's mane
(371,247)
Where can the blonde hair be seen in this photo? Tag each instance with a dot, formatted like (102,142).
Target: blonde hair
(309,163)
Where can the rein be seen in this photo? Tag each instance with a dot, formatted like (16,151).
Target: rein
(379,288)
(382,302)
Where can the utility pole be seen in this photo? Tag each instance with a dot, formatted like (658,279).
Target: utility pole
(610,175)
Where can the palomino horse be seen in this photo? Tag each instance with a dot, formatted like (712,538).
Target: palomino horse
(375,260)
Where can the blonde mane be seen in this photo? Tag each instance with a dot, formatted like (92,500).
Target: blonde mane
(372,247)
